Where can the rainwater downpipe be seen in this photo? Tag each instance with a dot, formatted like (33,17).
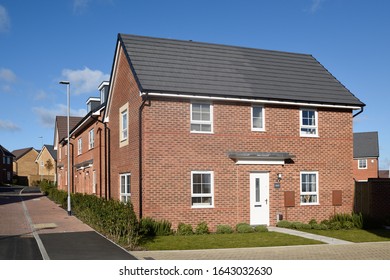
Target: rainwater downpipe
(145,98)
(358,113)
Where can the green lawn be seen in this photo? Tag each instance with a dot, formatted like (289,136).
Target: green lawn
(219,241)
(355,235)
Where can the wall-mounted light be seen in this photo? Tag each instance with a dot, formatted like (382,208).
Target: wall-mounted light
(279,177)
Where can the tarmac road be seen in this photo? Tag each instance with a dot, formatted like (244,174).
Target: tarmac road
(32,227)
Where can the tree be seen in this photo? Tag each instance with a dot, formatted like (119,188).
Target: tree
(49,166)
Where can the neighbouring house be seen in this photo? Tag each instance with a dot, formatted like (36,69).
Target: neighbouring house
(384,174)
(6,166)
(225,134)
(89,153)
(47,163)
(25,167)
(365,155)
(60,146)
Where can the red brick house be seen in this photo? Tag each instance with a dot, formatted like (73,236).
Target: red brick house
(6,166)
(60,146)
(222,134)
(88,149)
(365,155)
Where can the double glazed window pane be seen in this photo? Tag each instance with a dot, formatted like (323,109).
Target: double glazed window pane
(201,183)
(201,117)
(257,117)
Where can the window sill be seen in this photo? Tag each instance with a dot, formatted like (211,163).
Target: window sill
(309,204)
(202,207)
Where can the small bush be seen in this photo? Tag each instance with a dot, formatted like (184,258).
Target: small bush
(224,229)
(323,227)
(184,229)
(261,229)
(313,222)
(244,228)
(297,225)
(348,225)
(284,224)
(202,228)
(316,226)
(306,226)
(335,225)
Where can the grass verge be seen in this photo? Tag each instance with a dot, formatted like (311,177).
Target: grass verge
(221,241)
(355,235)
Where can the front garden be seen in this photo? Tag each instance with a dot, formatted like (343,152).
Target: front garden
(118,222)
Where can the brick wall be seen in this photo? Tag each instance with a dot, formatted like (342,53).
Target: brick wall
(364,174)
(124,156)
(171,152)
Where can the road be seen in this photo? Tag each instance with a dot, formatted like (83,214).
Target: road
(34,228)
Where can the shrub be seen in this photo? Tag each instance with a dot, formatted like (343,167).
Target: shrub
(335,225)
(261,229)
(297,225)
(202,228)
(224,229)
(184,229)
(324,227)
(284,224)
(150,227)
(313,222)
(348,225)
(244,228)
(317,226)
(307,226)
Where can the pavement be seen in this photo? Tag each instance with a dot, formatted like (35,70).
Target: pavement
(63,237)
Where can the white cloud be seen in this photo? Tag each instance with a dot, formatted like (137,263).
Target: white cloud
(7,75)
(84,81)
(8,126)
(79,6)
(5,22)
(47,116)
(315,6)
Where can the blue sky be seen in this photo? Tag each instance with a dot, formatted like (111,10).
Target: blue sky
(45,41)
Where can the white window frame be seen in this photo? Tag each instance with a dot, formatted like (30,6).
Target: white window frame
(123,125)
(125,194)
(91,138)
(361,166)
(303,127)
(80,146)
(201,122)
(316,192)
(262,128)
(195,195)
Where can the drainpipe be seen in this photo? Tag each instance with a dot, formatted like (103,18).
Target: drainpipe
(144,99)
(106,160)
(358,113)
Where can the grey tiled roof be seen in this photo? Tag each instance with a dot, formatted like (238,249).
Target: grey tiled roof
(365,144)
(187,67)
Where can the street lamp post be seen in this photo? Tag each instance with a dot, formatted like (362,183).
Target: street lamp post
(67,83)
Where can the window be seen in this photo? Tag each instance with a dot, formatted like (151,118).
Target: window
(80,146)
(257,118)
(91,139)
(309,188)
(362,164)
(201,117)
(309,123)
(202,189)
(125,187)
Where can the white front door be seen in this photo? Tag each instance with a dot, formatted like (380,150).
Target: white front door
(259,197)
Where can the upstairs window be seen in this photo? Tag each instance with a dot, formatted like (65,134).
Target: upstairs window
(362,163)
(201,118)
(308,123)
(258,118)
(80,146)
(91,139)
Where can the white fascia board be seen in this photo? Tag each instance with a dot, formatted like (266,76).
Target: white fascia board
(261,101)
(112,79)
